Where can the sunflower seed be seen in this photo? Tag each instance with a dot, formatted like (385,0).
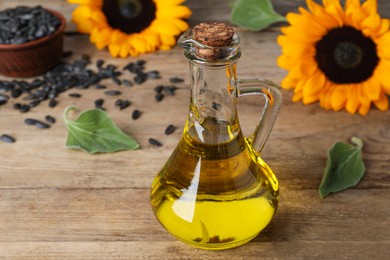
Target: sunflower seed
(153,141)
(113,92)
(53,102)
(159,88)
(159,97)
(170,129)
(170,90)
(176,80)
(36,123)
(50,119)
(75,95)
(16,92)
(127,83)
(7,138)
(118,102)
(17,106)
(136,114)
(99,103)
(124,104)
(3,102)
(99,63)
(67,54)
(24,108)
(99,86)
(34,103)
(117,81)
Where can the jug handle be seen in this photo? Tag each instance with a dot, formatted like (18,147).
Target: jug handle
(273,100)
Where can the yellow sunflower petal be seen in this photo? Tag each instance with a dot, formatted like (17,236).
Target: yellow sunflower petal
(372,88)
(370,7)
(334,8)
(289,82)
(137,43)
(124,51)
(86,2)
(82,11)
(286,62)
(364,108)
(382,74)
(174,12)
(114,49)
(325,19)
(314,84)
(168,2)
(326,95)
(85,26)
(167,39)
(382,103)
(297,97)
(352,101)
(339,98)
(163,26)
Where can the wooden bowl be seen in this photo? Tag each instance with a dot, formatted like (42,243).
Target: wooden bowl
(36,57)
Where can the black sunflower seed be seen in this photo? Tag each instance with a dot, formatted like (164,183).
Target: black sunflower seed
(99,63)
(34,103)
(118,102)
(7,138)
(67,54)
(136,114)
(159,88)
(117,81)
(24,108)
(170,129)
(50,119)
(127,83)
(53,102)
(113,92)
(99,86)
(37,123)
(99,103)
(124,104)
(159,96)
(3,102)
(153,141)
(75,95)
(170,90)
(176,80)
(16,92)
(17,106)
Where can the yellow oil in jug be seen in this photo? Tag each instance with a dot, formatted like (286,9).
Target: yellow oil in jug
(214,196)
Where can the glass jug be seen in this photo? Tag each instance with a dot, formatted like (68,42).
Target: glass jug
(215,192)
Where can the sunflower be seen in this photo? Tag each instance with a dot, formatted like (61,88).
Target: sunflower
(339,56)
(131,27)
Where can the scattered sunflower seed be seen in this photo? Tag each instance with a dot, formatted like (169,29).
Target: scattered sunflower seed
(75,95)
(176,80)
(7,138)
(50,119)
(124,104)
(136,114)
(99,103)
(153,141)
(159,96)
(113,92)
(100,86)
(127,83)
(53,102)
(37,123)
(67,54)
(24,108)
(170,129)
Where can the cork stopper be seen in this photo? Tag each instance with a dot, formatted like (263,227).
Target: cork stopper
(214,35)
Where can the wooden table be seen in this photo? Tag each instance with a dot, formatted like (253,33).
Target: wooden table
(58,203)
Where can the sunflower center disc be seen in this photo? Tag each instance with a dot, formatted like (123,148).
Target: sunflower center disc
(130,9)
(348,55)
(345,55)
(129,16)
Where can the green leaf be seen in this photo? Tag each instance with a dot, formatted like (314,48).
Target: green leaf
(344,168)
(254,14)
(93,131)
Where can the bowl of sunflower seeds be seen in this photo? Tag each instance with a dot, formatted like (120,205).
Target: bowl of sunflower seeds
(31,40)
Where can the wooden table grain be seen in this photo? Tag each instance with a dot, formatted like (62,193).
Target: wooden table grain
(58,203)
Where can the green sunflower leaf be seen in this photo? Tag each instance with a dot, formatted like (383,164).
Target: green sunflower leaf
(94,132)
(254,14)
(344,168)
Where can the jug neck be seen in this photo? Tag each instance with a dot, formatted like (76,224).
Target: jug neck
(213,103)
